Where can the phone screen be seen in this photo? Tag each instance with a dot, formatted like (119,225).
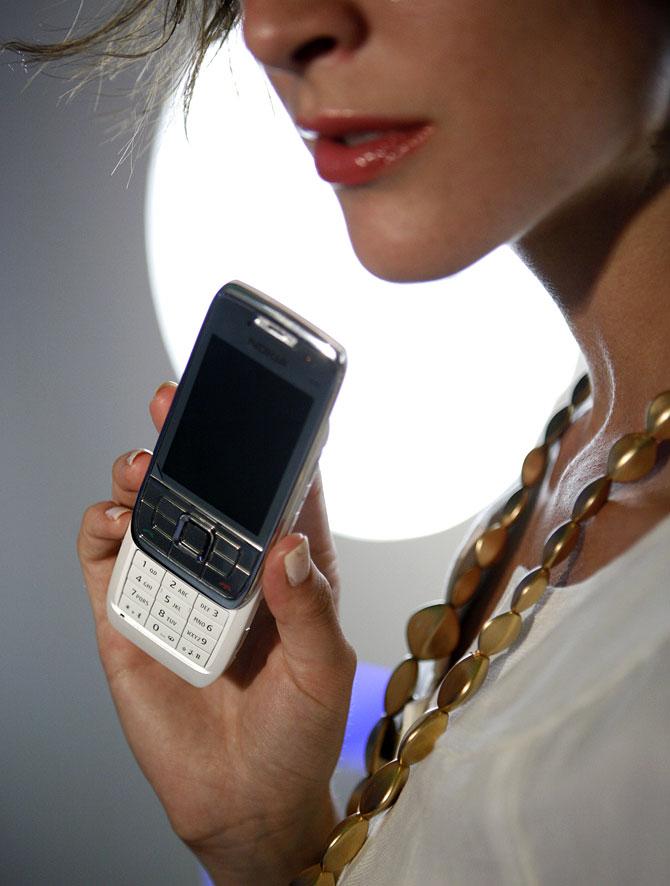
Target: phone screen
(236,435)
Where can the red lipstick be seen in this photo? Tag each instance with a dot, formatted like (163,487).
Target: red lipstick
(353,151)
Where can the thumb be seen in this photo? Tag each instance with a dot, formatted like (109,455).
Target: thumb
(301,601)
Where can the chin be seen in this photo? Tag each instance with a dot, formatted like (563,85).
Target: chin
(399,244)
(408,260)
(396,270)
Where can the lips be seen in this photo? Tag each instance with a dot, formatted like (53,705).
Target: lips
(354,151)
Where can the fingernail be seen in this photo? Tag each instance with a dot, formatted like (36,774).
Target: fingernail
(117,512)
(165,384)
(133,455)
(297,563)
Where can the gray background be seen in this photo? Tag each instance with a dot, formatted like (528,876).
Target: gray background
(80,356)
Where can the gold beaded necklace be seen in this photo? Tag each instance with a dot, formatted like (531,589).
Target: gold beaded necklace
(433,631)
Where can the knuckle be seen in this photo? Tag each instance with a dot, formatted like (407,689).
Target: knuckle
(321,600)
(89,517)
(85,528)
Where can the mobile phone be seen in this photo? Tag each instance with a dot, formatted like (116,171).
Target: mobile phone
(229,473)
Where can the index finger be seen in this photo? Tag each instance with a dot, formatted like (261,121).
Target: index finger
(161,402)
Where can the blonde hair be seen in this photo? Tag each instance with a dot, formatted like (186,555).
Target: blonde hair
(160,43)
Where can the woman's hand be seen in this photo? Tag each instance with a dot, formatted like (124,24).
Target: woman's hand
(242,766)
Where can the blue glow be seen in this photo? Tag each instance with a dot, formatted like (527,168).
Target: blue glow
(367,706)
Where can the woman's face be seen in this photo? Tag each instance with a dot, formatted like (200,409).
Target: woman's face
(450,127)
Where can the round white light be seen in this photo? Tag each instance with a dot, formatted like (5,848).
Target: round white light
(449,383)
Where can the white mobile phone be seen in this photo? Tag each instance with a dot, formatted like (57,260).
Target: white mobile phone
(228,477)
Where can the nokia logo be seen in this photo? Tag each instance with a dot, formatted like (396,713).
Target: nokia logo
(265,350)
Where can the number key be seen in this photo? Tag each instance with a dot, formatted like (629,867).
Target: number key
(205,626)
(168,618)
(138,595)
(158,629)
(212,611)
(132,609)
(200,639)
(199,656)
(174,604)
(148,584)
(179,589)
(143,563)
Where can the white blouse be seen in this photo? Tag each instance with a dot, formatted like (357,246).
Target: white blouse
(558,771)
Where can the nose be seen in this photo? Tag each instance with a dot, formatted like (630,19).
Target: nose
(291,35)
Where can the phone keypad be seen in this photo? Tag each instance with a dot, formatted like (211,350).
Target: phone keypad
(224,547)
(209,552)
(179,590)
(134,610)
(160,630)
(169,609)
(230,585)
(220,564)
(185,558)
(170,512)
(200,639)
(209,611)
(247,557)
(172,604)
(199,656)
(175,622)
(141,581)
(153,570)
(138,595)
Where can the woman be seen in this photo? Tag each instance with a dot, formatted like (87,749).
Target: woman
(449,128)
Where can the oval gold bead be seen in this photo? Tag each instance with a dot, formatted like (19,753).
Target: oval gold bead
(420,738)
(500,632)
(314,876)
(344,842)
(529,590)
(631,457)
(591,499)
(490,546)
(658,416)
(534,466)
(558,424)
(560,543)
(400,686)
(465,585)
(355,796)
(384,788)
(514,507)
(462,681)
(581,391)
(381,744)
(433,631)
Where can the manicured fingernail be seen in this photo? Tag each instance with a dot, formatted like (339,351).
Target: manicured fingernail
(133,455)
(297,563)
(165,384)
(117,512)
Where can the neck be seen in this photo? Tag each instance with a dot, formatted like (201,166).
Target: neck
(605,259)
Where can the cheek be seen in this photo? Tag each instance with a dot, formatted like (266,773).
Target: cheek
(286,87)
